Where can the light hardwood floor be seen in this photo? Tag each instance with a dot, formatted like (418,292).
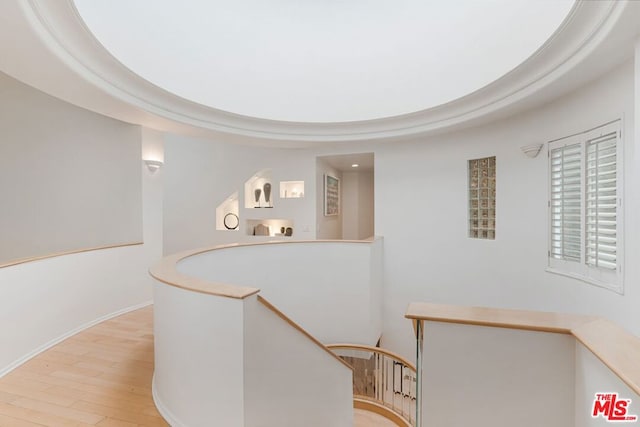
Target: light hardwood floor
(362,418)
(99,377)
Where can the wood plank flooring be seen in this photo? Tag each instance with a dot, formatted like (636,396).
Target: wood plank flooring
(99,377)
(362,418)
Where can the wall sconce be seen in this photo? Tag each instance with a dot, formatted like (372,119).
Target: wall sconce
(531,150)
(153,165)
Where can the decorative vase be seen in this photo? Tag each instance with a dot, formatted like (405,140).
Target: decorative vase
(257,192)
(267,193)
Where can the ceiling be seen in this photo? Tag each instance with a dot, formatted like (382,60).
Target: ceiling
(345,162)
(298,73)
(322,61)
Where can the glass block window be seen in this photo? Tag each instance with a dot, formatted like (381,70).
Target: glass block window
(482,198)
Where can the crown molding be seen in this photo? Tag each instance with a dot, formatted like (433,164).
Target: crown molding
(61,30)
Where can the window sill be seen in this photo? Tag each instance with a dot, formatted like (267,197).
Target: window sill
(617,288)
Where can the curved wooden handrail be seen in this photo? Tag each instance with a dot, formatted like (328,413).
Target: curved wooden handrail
(391,354)
(618,349)
(166,270)
(71,252)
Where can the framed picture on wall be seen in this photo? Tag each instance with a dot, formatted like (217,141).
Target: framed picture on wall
(331,195)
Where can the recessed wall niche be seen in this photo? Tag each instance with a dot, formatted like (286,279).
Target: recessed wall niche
(482,198)
(270,227)
(259,190)
(227,213)
(291,189)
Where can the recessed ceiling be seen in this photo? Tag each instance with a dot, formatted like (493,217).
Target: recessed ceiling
(344,162)
(322,61)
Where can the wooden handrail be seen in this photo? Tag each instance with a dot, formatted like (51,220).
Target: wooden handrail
(497,317)
(166,271)
(616,348)
(71,252)
(372,349)
(300,329)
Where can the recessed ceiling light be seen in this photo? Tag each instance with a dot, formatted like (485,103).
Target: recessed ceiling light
(355,165)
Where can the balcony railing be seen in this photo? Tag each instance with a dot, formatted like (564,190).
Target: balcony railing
(383,382)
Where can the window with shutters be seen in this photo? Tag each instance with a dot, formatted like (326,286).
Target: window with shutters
(585,206)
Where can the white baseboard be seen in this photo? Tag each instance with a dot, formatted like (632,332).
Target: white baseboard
(166,414)
(4,371)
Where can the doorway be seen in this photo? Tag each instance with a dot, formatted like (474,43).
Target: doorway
(354,217)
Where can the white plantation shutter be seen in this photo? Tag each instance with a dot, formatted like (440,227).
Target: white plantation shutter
(566,190)
(585,219)
(601,202)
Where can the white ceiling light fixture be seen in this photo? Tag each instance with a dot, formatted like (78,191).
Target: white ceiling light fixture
(153,165)
(355,165)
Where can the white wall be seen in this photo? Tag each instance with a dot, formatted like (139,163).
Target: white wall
(496,377)
(592,377)
(349,187)
(65,176)
(237,362)
(486,376)
(289,381)
(201,174)
(421,210)
(366,205)
(199,357)
(44,301)
(331,289)
(358,205)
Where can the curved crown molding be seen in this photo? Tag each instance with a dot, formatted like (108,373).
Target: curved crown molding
(60,27)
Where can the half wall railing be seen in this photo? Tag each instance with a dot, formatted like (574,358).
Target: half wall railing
(225,353)
(493,367)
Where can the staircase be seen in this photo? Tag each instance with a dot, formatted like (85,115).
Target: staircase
(384,383)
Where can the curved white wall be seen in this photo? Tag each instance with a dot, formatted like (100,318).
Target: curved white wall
(236,362)
(201,174)
(44,301)
(421,208)
(199,357)
(332,289)
(66,176)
